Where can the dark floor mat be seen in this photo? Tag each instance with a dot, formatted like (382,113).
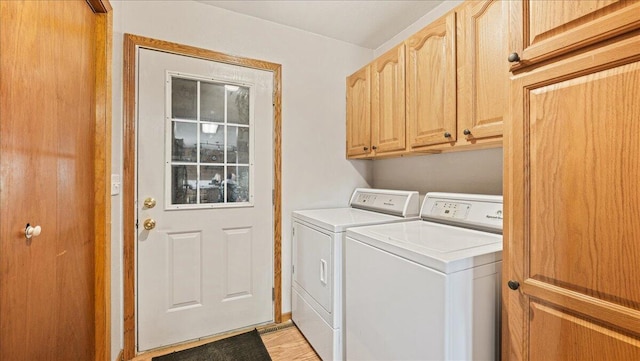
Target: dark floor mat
(247,346)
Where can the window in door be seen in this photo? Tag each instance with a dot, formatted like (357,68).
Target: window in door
(210,143)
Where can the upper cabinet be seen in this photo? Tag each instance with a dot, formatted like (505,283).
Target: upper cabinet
(483,71)
(359,113)
(388,102)
(552,28)
(445,88)
(431,84)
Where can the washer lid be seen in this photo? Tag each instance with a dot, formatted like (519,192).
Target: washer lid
(441,247)
(339,219)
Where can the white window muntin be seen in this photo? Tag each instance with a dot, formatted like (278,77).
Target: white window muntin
(169,120)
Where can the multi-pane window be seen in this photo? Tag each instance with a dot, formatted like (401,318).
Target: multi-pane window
(210,141)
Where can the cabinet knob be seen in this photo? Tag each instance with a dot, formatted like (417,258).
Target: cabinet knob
(466,132)
(447,135)
(30,231)
(374,147)
(513,57)
(514,285)
(366,148)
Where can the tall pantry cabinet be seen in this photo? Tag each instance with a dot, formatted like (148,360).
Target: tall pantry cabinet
(571,287)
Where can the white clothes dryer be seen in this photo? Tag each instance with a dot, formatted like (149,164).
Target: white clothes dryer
(427,289)
(317,260)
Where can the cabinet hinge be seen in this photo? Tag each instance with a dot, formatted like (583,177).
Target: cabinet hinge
(136,224)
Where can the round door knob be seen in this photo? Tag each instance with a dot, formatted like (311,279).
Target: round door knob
(447,135)
(366,148)
(374,147)
(149,203)
(513,57)
(514,285)
(149,224)
(466,132)
(30,231)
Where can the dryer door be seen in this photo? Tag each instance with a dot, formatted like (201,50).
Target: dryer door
(313,263)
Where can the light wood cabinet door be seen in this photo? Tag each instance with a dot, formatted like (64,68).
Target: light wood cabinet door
(431,84)
(388,101)
(572,206)
(483,70)
(552,28)
(359,113)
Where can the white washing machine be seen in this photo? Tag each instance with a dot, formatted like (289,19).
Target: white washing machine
(317,260)
(427,289)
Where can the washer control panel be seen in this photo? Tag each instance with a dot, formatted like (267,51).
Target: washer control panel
(457,210)
(401,203)
(483,212)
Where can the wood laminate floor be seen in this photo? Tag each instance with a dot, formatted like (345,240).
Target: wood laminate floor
(288,344)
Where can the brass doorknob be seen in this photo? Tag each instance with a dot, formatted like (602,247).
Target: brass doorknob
(149,224)
(149,203)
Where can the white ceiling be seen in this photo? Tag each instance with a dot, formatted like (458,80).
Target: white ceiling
(367,23)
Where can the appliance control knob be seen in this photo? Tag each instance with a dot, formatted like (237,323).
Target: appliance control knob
(514,285)
(513,58)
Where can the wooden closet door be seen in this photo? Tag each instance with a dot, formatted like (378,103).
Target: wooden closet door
(572,198)
(47,142)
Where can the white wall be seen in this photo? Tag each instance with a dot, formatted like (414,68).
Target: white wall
(462,172)
(427,19)
(315,172)
(478,171)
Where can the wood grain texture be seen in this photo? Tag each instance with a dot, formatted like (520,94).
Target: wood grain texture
(431,83)
(359,113)
(102,189)
(288,344)
(571,203)
(597,342)
(388,101)
(52,142)
(131,44)
(483,70)
(553,28)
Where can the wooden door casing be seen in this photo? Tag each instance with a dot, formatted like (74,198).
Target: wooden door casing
(54,158)
(572,206)
(553,28)
(359,113)
(388,101)
(483,70)
(431,83)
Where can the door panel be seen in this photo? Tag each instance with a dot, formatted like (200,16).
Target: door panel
(483,71)
(431,83)
(597,342)
(47,137)
(359,113)
(557,27)
(388,101)
(207,266)
(314,264)
(572,223)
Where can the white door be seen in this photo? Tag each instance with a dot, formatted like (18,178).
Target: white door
(205,155)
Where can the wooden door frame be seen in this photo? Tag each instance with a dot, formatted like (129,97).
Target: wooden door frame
(130,50)
(102,179)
